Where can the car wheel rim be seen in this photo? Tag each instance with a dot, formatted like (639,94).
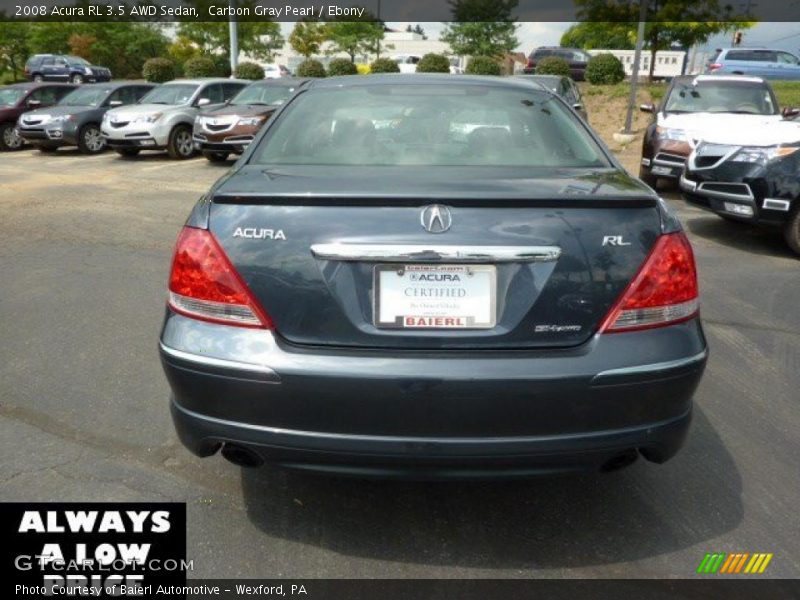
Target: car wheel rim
(184,143)
(11,138)
(93,140)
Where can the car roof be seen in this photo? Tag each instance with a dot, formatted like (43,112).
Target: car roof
(754,49)
(742,78)
(29,85)
(418,78)
(202,80)
(283,81)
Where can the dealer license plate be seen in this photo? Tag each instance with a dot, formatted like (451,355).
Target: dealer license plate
(435,296)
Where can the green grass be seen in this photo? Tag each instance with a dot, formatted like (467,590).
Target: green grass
(621,90)
(788,92)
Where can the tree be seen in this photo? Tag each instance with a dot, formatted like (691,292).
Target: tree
(307,37)
(608,36)
(14,47)
(481,28)
(355,37)
(258,39)
(416,29)
(122,46)
(683,23)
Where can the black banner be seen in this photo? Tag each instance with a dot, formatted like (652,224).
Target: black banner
(93,549)
(397,10)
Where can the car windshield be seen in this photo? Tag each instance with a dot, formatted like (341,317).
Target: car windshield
(429,125)
(268,95)
(85,96)
(721,97)
(179,93)
(77,60)
(10,96)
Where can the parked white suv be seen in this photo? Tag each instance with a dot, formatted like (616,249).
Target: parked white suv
(163,119)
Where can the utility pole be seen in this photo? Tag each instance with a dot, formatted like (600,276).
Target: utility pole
(637,57)
(234,35)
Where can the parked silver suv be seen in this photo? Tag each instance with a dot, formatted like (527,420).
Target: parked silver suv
(163,119)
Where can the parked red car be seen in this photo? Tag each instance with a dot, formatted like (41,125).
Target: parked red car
(21,97)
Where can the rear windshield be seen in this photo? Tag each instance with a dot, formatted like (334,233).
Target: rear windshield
(180,93)
(268,95)
(721,97)
(10,96)
(85,96)
(429,125)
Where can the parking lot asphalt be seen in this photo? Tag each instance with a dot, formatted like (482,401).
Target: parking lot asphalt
(85,245)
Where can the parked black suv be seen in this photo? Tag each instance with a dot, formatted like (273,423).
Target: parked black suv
(75,120)
(576,58)
(60,67)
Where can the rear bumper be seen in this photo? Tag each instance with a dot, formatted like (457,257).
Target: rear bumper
(446,415)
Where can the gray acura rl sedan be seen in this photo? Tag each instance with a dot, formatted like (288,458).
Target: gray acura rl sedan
(429,276)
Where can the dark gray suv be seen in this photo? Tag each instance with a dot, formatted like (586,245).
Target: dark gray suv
(431,276)
(75,120)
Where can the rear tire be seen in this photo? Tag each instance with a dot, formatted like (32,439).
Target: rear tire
(127,152)
(9,138)
(216,157)
(90,140)
(791,231)
(648,177)
(180,145)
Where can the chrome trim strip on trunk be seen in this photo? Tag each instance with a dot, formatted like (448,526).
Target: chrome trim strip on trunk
(270,376)
(655,367)
(434,253)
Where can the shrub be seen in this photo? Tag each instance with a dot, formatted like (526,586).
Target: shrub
(201,66)
(159,70)
(222,66)
(552,65)
(310,68)
(248,70)
(341,66)
(604,69)
(384,65)
(483,65)
(433,63)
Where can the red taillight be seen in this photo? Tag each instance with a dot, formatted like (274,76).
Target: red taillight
(714,66)
(204,284)
(663,292)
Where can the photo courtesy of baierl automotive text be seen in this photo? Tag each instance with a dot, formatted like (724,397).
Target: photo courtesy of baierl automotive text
(410,300)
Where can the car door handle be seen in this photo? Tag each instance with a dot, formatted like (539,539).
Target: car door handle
(434,253)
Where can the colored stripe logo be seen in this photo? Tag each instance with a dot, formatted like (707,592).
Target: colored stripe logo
(734,563)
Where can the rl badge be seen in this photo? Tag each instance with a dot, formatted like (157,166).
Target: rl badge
(94,549)
(435,296)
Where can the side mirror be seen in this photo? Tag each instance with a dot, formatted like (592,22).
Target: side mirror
(648,108)
(115,103)
(790,111)
(203,102)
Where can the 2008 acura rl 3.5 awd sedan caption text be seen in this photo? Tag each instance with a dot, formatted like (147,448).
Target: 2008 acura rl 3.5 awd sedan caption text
(432,277)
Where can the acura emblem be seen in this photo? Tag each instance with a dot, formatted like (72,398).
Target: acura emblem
(436,218)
